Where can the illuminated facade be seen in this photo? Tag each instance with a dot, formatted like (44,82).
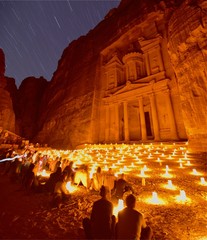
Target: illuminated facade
(140,99)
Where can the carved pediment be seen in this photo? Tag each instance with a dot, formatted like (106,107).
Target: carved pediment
(113,60)
(145,43)
(130,86)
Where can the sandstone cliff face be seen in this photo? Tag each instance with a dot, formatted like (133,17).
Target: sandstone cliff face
(7,116)
(27,105)
(188,51)
(68,108)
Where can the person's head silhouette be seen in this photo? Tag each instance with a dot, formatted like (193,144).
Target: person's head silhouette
(130,201)
(104,191)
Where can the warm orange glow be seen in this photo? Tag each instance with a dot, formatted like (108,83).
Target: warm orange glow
(181,165)
(143,182)
(203,182)
(188,163)
(182,198)
(170,185)
(118,208)
(142,174)
(195,172)
(43,173)
(70,188)
(167,174)
(154,199)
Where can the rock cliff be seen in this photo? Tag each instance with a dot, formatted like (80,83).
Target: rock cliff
(69,106)
(64,112)
(7,116)
(187,34)
(28,102)
(72,97)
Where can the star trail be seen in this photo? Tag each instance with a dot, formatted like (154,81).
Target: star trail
(33,34)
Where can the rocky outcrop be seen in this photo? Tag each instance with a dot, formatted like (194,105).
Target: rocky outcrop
(19,108)
(187,36)
(27,107)
(7,116)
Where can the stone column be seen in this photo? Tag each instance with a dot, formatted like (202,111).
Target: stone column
(107,123)
(126,122)
(142,119)
(147,64)
(154,117)
(117,121)
(171,118)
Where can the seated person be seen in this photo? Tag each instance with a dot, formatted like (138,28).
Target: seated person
(122,187)
(131,223)
(61,193)
(97,180)
(100,225)
(82,176)
(53,179)
(109,181)
(70,173)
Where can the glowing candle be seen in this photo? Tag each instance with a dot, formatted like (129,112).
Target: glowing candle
(182,195)
(195,171)
(120,204)
(169,184)
(203,182)
(181,165)
(106,168)
(143,181)
(70,188)
(142,173)
(155,198)
(119,207)
(188,163)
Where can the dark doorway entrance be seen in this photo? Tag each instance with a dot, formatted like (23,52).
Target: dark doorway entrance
(148,124)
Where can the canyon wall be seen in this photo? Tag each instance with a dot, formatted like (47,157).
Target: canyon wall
(7,115)
(70,110)
(71,102)
(187,34)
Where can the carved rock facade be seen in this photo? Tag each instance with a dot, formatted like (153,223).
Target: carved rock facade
(116,84)
(139,75)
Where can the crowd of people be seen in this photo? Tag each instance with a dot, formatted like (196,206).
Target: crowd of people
(102,224)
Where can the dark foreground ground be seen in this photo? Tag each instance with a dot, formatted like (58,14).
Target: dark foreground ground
(30,216)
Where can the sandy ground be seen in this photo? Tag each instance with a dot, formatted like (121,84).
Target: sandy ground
(30,216)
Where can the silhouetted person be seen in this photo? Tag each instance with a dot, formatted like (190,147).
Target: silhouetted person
(82,176)
(60,192)
(100,224)
(109,180)
(131,223)
(97,180)
(29,178)
(69,171)
(121,187)
(53,179)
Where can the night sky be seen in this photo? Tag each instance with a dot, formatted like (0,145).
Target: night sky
(33,34)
